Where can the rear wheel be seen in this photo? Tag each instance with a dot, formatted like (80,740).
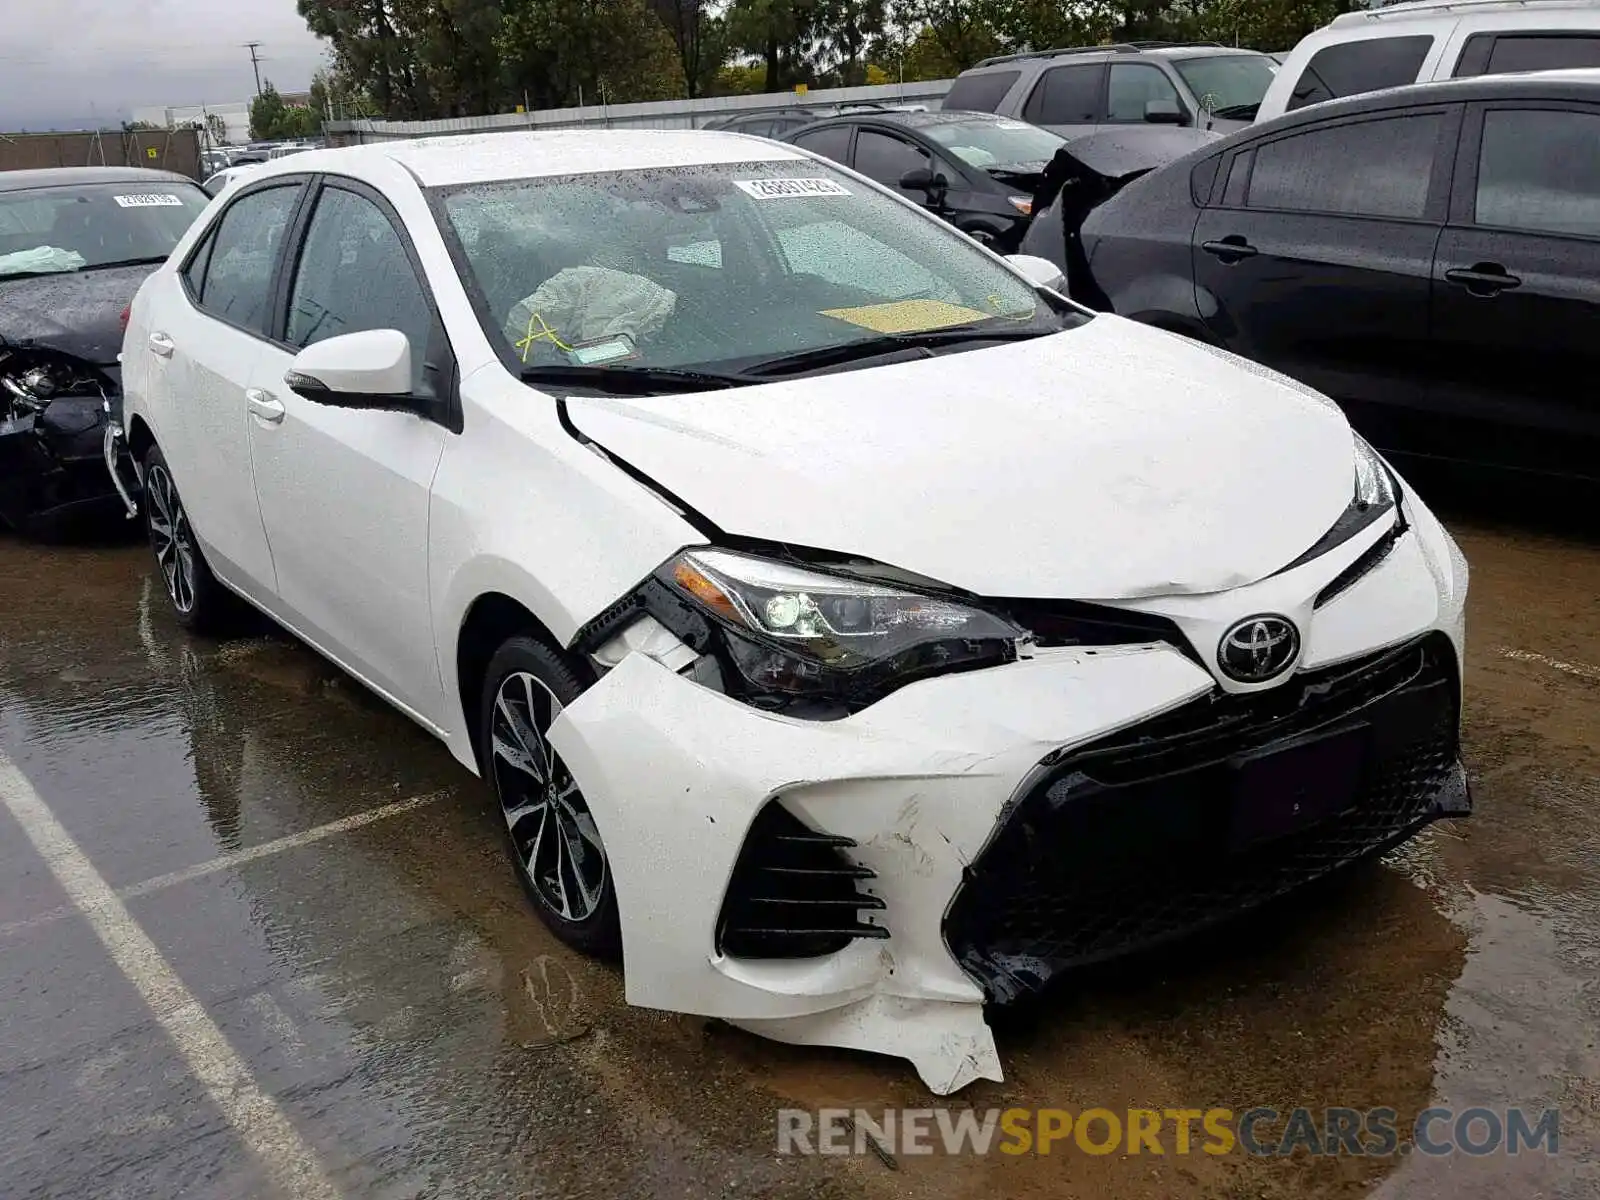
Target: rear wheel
(199,601)
(552,838)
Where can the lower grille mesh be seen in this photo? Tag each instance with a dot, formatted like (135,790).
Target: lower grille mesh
(1125,843)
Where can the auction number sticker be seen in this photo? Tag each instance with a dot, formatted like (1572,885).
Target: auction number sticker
(787,189)
(149,200)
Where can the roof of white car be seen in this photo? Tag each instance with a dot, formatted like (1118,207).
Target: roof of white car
(488,157)
(1447,8)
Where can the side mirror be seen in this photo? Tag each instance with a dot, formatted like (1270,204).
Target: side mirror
(1040,272)
(357,370)
(918,179)
(1164,112)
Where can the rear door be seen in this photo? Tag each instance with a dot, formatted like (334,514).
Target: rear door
(1068,100)
(207,344)
(1516,295)
(1317,253)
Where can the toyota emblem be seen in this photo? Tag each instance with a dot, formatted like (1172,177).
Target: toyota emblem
(1258,648)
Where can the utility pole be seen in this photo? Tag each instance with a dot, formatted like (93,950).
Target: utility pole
(255,62)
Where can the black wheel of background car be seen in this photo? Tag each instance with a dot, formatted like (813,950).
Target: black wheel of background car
(554,843)
(200,602)
(984,237)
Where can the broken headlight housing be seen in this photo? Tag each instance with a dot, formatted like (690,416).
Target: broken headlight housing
(1376,495)
(784,632)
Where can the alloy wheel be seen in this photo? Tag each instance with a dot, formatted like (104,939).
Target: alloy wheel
(171,538)
(554,835)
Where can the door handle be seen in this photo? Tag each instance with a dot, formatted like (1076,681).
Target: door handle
(1484,279)
(162,345)
(1230,249)
(263,405)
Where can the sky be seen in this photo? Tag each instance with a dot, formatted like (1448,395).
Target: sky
(67,62)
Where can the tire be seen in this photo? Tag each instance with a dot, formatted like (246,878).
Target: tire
(551,837)
(984,236)
(200,603)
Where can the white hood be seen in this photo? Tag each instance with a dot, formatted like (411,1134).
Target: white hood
(1107,462)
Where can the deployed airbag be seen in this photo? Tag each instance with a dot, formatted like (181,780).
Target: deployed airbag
(582,304)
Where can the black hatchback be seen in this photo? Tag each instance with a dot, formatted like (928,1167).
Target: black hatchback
(1427,256)
(976,170)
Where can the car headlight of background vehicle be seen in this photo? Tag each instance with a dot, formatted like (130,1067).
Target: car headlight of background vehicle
(790,632)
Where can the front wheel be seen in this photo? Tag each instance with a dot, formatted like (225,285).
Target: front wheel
(199,601)
(552,838)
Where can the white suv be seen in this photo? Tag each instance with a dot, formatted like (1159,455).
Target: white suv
(1433,39)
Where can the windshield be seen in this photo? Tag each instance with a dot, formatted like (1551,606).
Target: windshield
(1229,85)
(717,267)
(985,144)
(51,230)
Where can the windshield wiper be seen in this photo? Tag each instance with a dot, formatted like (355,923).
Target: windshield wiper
(629,381)
(875,347)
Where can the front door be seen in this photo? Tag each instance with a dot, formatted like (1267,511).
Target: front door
(1318,259)
(345,492)
(1516,297)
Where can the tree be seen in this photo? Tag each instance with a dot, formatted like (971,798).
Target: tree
(561,52)
(699,38)
(272,120)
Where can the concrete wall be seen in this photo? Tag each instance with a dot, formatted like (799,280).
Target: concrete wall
(164,149)
(658,114)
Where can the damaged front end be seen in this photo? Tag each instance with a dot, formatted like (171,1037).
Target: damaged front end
(55,411)
(865,846)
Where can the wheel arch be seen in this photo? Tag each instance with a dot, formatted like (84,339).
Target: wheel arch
(492,618)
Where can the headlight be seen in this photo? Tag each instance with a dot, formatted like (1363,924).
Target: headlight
(1374,497)
(794,632)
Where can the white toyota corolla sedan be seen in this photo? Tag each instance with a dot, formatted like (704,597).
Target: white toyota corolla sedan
(853,631)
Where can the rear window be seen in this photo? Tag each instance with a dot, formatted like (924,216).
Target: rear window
(981,92)
(1502,53)
(1354,67)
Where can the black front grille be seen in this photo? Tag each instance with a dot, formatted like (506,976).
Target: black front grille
(793,892)
(1135,839)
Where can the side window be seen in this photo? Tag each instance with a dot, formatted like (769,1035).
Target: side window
(1131,87)
(244,252)
(980,93)
(1365,66)
(886,159)
(1503,53)
(353,275)
(760,128)
(1233,196)
(832,142)
(1538,170)
(194,275)
(1066,96)
(1368,168)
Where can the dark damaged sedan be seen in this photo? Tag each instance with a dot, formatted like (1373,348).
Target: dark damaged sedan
(75,244)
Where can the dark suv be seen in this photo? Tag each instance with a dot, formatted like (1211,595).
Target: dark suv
(1428,256)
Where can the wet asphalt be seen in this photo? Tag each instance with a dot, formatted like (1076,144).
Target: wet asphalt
(385,988)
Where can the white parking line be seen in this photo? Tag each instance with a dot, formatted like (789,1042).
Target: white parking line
(1581,670)
(255,1117)
(235,858)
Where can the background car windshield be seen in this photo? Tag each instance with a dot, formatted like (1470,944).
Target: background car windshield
(712,264)
(1227,81)
(984,144)
(49,230)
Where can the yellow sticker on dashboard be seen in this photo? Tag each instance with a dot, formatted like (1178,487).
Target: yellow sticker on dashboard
(907,316)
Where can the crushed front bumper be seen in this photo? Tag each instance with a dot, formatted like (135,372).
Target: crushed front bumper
(52,466)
